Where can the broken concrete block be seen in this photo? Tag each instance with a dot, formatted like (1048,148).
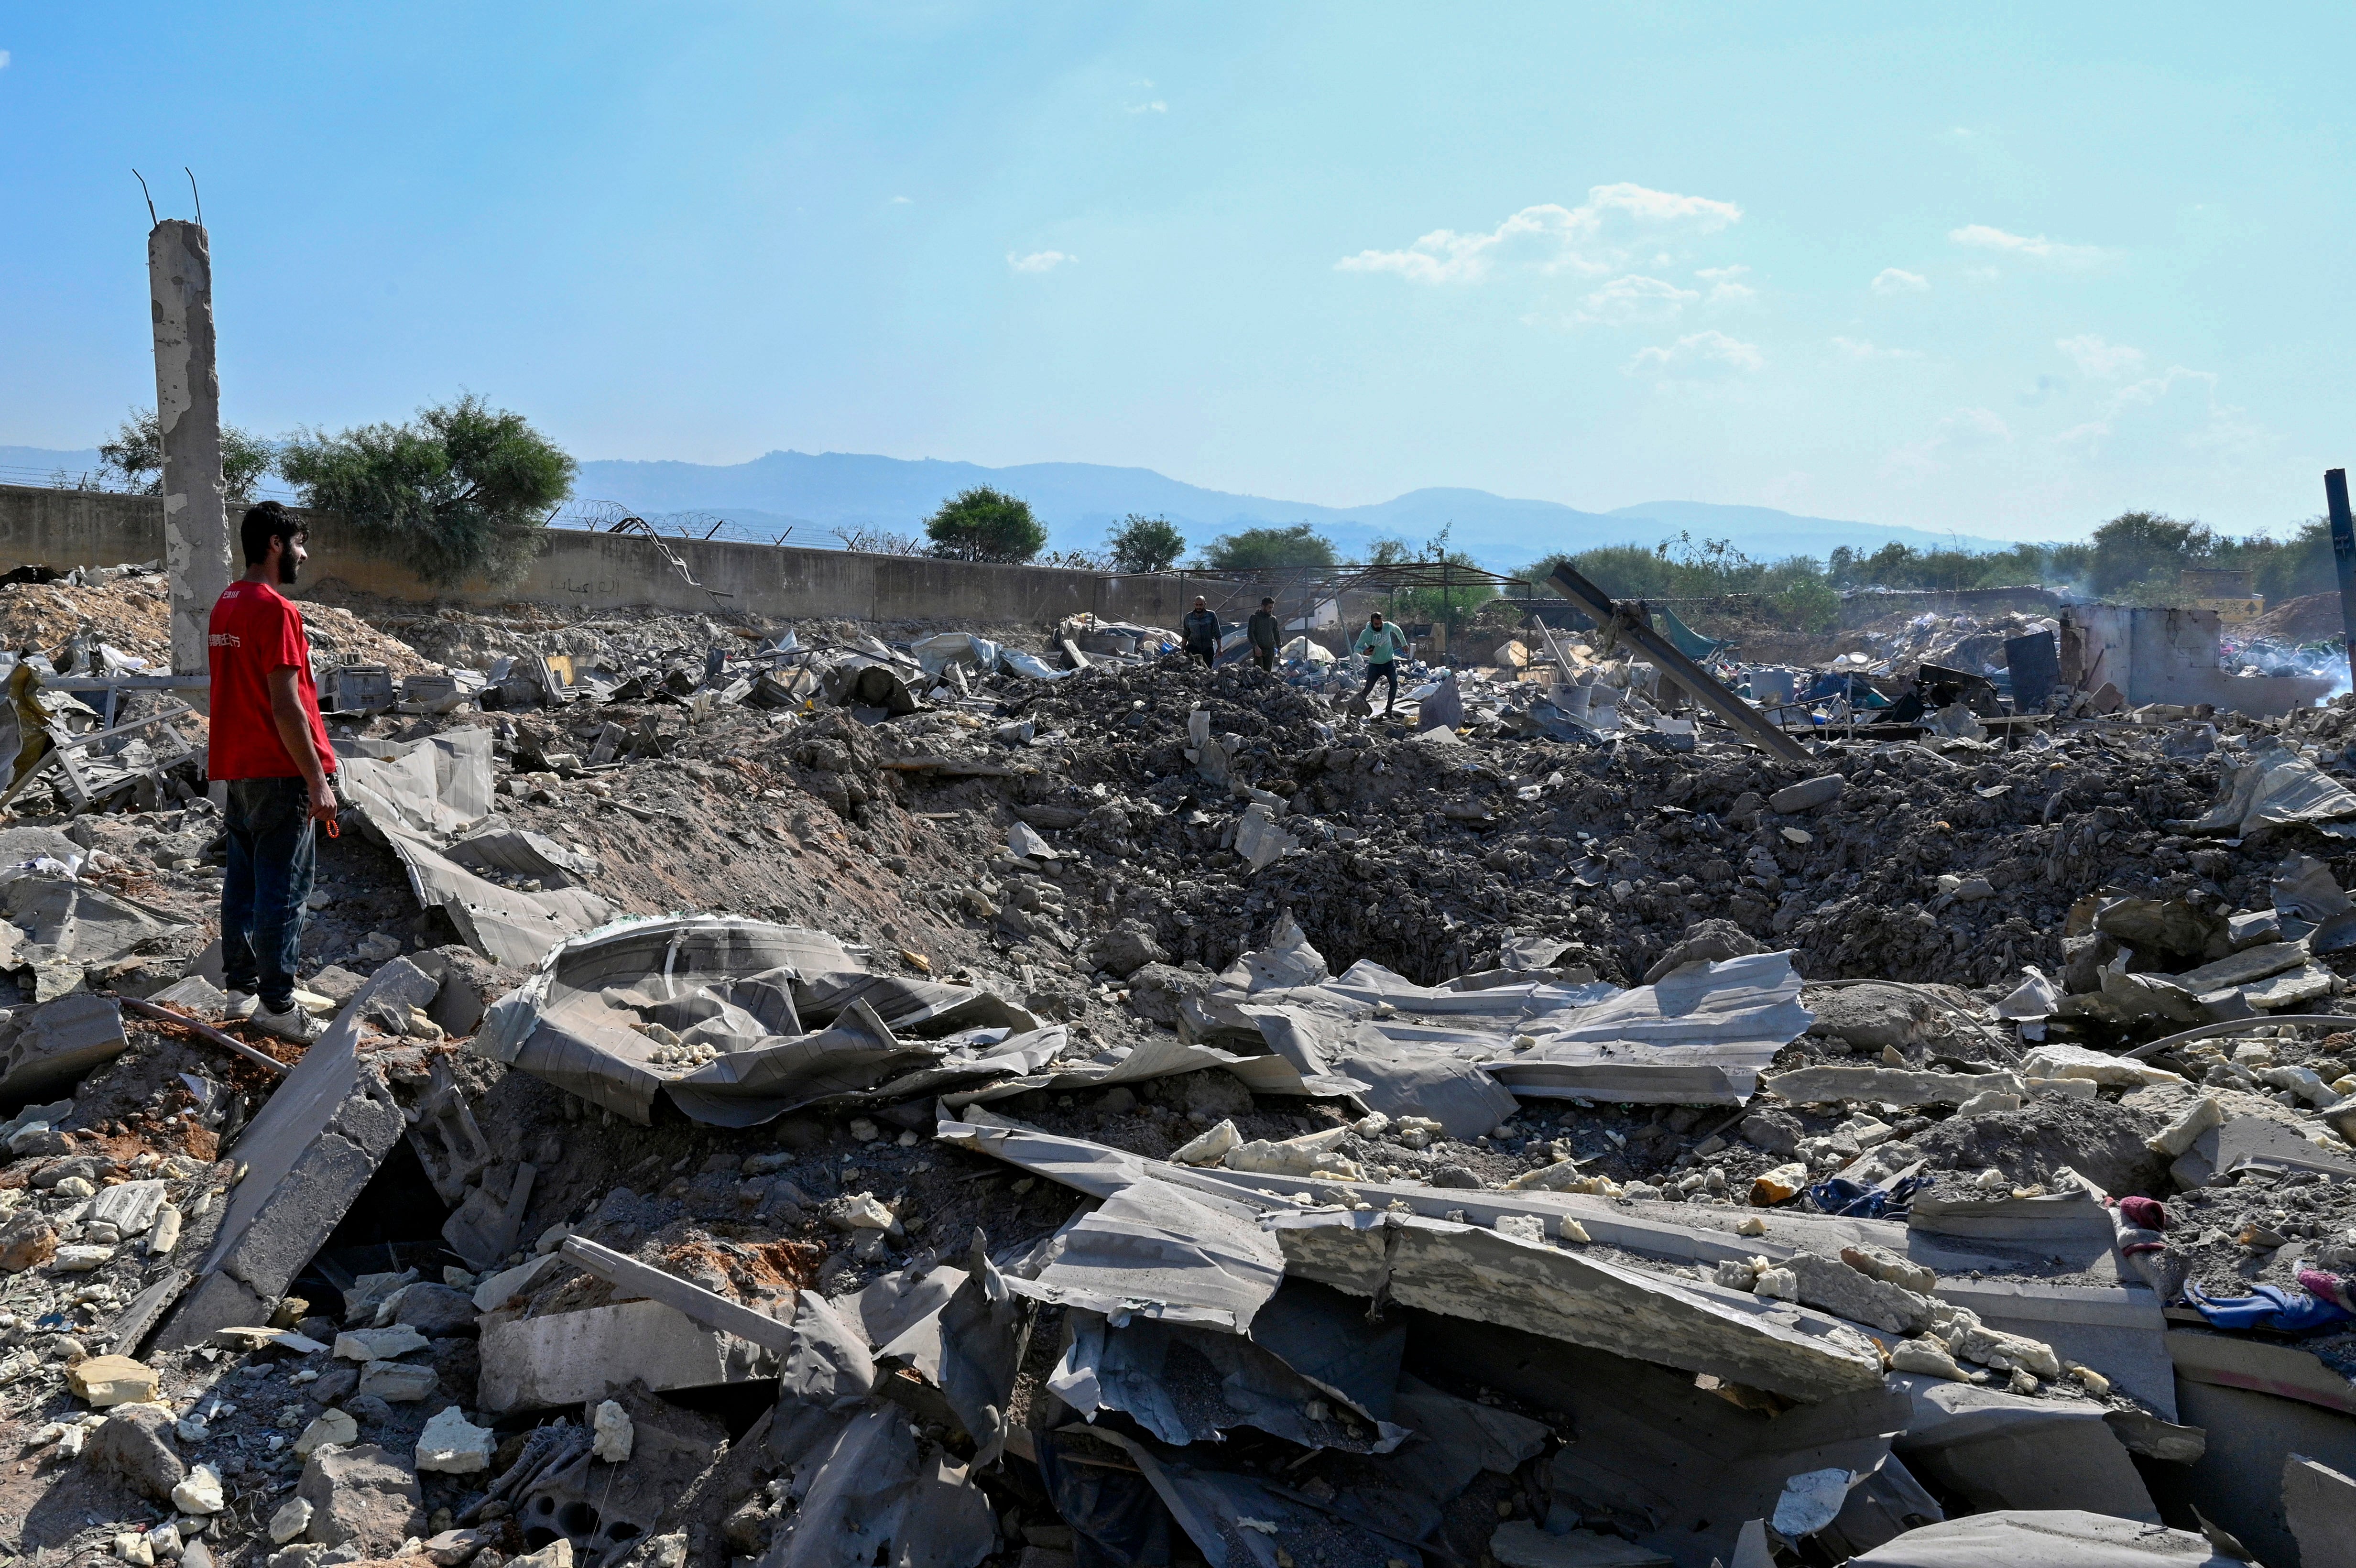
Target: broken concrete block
(2254,1142)
(397,1383)
(163,1234)
(1780,1185)
(130,1206)
(135,1444)
(497,1290)
(613,1433)
(1777,1132)
(199,1492)
(1926,1356)
(1989,1102)
(29,1241)
(1807,794)
(292,1518)
(557,1553)
(379,1344)
(59,1044)
(1884,1265)
(361,1496)
(1887,1086)
(335,1428)
(1846,1292)
(1306,1156)
(571,1358)
(453,1445)
(106,1381)
(2077,1061)
(309,1151)
(1209,1147)
(81,1259)
(436,1311)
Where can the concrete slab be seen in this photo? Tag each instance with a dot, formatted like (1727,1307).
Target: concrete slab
(570,1357)
(310,1150)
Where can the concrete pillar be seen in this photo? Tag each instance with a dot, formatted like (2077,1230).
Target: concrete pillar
(197,552)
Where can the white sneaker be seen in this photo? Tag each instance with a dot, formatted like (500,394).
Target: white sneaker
(241,1005)
(293,1024)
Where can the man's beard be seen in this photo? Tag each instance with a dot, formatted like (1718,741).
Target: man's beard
(287,570)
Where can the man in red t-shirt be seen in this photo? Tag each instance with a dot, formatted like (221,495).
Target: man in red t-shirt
(269,746)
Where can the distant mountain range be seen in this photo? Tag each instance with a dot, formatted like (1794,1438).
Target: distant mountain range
(819,495)
(822,493)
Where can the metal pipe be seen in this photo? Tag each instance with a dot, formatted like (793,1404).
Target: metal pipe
(2343,556)
(1628,621)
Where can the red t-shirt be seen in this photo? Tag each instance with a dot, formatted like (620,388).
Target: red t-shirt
(254,631)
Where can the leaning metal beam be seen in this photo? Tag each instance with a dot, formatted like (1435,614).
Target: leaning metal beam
(1627,622)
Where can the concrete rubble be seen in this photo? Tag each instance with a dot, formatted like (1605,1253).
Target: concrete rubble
(939,1095)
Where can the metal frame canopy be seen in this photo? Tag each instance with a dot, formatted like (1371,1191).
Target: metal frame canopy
(1307,587)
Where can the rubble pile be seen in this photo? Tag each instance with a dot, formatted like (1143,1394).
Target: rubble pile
(798,1097)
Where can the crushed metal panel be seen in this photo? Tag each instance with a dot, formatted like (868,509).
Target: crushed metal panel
(2319,1507)
(866,1493)
(732,994)
(1728,1019)
(1999,1450)
(2238,1480)
(1468,1272)
(2061,1538)
(567,1357)
(1152,1248)
(1185,1385)
(2237,1361)
(1680,1466)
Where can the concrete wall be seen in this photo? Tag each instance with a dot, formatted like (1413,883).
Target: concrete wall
(66,528)
(2169,655)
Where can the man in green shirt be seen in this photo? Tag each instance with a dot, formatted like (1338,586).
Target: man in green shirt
(1381,642)
(1266,632)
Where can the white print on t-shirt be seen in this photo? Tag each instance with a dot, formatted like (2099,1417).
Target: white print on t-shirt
(224,640)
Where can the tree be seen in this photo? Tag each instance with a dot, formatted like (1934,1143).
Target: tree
(984,524)
(1144,544)
(462,493)
(2146,549)
(1255,549)
(135,457)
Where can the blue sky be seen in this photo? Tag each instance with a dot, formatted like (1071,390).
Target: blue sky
(2002,269)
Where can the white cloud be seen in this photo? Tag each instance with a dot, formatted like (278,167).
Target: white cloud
(3,60)
(2036,246)
(1156,107)
(1549,237)
(1634,298)
(1899,280)
(1865,348)
(1038,260)
(1962,433)
(898,201)
(2106,361)
(2147,410)
(1724,286)
(1699,351)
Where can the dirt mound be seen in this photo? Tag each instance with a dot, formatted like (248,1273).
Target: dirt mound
(2309,618)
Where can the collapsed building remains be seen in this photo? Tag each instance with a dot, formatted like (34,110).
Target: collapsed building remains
(804,1094)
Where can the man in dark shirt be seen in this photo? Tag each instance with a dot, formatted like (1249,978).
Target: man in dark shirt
(1200,631)
(269,744)
(1265,631)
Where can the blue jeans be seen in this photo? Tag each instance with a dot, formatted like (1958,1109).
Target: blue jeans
(270,858)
